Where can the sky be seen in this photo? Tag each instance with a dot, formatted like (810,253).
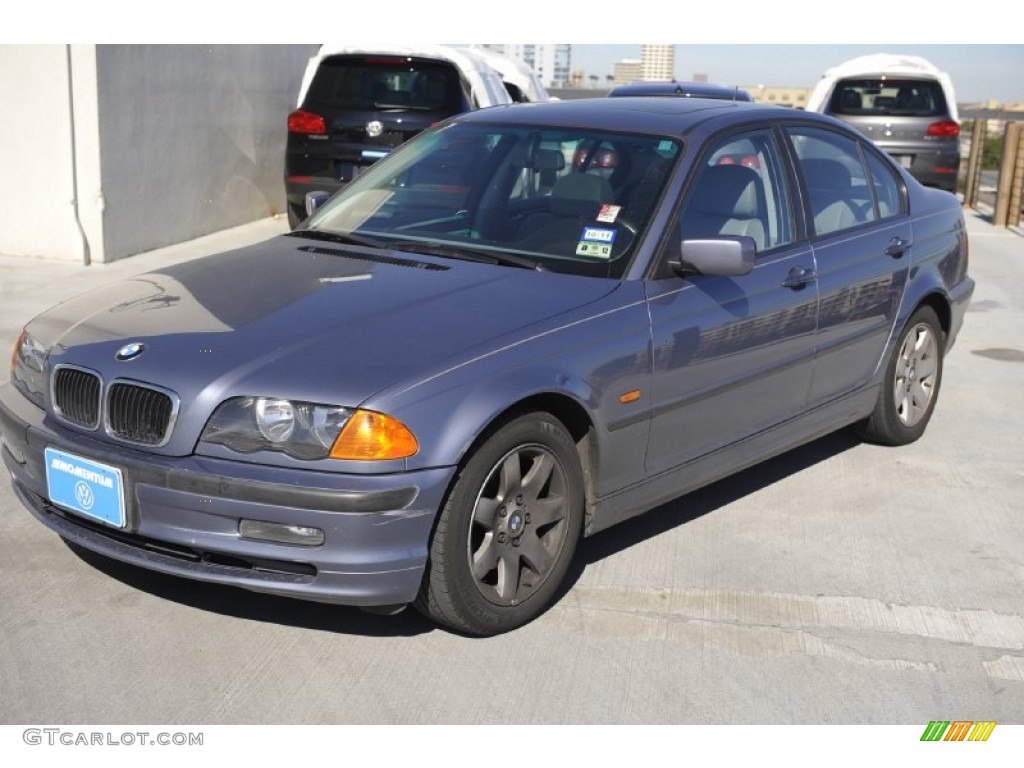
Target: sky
(738,42)
(979,72)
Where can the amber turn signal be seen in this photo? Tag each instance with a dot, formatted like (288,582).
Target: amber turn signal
(14,352)
(369,436)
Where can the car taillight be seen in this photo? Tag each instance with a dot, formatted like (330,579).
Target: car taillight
(947,129)
(301,121)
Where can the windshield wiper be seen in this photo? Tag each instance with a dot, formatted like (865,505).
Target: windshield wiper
(467,254)
(337,237)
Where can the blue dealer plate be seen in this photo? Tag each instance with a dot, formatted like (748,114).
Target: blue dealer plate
(85,487)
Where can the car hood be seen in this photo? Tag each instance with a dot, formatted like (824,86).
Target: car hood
(301,319)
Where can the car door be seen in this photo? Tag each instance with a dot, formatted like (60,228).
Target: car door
(732,355)
(861,241)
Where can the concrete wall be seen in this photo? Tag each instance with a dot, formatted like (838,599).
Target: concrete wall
(192,138)
(163,143)
(36,174)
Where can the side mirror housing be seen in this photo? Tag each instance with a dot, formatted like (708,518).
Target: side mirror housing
(724,256)
(314,200)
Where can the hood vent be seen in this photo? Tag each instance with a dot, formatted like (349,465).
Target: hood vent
(393,261)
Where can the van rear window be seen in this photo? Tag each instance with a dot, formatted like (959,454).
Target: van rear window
(373,83)
(889,96)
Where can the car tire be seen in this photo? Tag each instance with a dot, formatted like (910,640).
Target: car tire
(508,530)
(910,388)
(296,215)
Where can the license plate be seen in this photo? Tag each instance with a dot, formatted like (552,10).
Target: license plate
(905,160)
(85,487)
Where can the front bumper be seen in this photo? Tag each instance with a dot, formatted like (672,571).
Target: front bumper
(183,514)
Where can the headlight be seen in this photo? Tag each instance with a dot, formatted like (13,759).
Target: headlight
(28,368)
(249,424)
(308,430)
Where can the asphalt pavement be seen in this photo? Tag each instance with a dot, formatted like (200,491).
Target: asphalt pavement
(840,583)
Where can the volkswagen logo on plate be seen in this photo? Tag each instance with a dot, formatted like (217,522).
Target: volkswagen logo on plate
(83,494)
(130,351)
(374,128)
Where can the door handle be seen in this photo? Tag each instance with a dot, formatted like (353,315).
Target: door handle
(799,277)
(896,247)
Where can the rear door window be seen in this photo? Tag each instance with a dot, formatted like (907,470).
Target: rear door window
(838,188)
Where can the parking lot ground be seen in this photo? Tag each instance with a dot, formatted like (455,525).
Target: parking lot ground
(839,583)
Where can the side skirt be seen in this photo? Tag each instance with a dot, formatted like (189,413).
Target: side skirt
(731,459)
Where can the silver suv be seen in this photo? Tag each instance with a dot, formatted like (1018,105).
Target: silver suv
(902,103)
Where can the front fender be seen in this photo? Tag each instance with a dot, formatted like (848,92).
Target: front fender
(591,361)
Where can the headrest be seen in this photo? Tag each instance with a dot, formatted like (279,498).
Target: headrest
(579,194)
(730,190)
(825,174)
(548,160)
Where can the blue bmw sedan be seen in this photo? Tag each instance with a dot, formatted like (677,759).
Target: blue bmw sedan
(526,325)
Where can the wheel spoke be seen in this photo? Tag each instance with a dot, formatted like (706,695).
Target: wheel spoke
(922,342)
(511,477)
(926,367)
(537,476)
(485,512)
(486,557)
(508,575)
(902,400)
(901,392)
(535,553)
(548,510)
(907,351)
(920,396)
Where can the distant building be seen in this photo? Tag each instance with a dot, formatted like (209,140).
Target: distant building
(626,71)
(785,96)
(551,61)
(657,62)
(996,115)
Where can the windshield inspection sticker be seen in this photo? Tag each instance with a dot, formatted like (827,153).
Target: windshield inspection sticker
(608,213)
(596,242)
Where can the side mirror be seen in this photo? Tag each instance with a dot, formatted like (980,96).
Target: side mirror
(314,200)
(724,256)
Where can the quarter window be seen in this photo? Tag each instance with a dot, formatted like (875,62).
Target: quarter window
(887,188)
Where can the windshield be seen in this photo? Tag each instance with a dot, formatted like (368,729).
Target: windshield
(569,199)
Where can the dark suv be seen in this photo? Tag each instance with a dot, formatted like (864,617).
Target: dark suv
(358,105)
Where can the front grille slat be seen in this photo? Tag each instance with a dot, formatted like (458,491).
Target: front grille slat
(135,413)
(76,394)
(139,414)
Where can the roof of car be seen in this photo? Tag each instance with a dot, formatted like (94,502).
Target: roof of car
(665,115)
(680,88)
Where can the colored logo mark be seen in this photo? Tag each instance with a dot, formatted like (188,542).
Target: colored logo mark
(958,730)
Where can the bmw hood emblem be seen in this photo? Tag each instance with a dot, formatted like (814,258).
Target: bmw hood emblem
(130,351)
(374,128)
